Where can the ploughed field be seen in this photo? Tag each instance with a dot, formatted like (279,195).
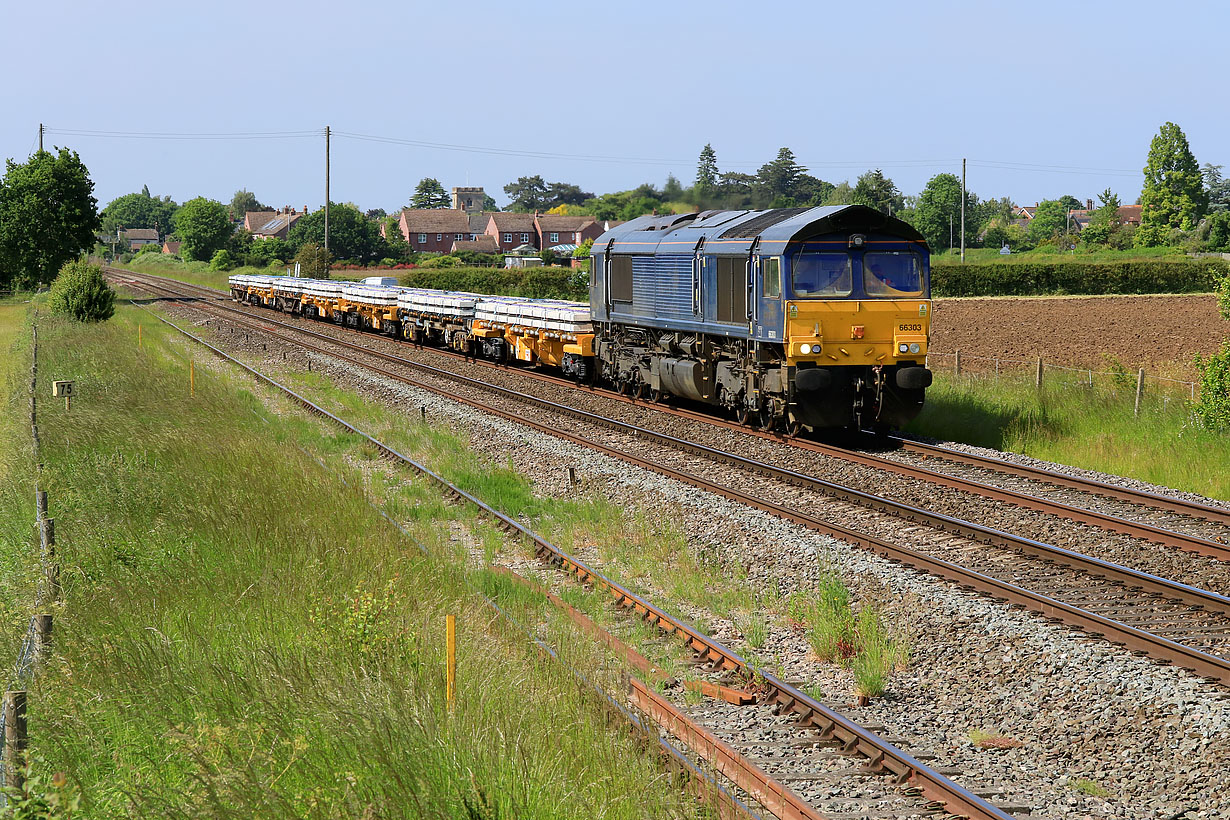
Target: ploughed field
(1158,333)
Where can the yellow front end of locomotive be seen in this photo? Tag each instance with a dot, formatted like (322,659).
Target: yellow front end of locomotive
(832,333)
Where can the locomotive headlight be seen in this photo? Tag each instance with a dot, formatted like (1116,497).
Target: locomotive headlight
(903,347)
(914,348)
(805,349)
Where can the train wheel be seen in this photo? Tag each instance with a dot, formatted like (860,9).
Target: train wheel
(655,396)
(768,421)
(793,428)
(743,414)
(642,390)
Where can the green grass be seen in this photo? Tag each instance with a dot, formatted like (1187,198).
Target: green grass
(1086,786)
(1050,253)
(1091,428)
(243,636)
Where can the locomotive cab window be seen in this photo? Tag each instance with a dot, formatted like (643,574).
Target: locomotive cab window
(621,278)
(892,273)
(821,274)
(771,273)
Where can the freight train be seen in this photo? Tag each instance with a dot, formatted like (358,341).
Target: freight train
(788,318)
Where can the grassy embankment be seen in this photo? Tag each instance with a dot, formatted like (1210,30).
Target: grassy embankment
(1052,253)
(1074,424)
(243,636)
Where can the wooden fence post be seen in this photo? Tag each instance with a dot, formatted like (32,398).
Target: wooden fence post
(956,363)
(1140,389)
(42,636)
(1038,379)
(14,739)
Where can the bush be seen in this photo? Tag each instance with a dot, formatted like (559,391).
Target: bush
(388,262)
(1042,278)
(222,260)
(313,261)
(151,248)
(441,262)
(80,291)
(1213,408)
(276,263)
(541,283)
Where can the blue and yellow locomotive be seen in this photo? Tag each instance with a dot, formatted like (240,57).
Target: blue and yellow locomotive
(791,318)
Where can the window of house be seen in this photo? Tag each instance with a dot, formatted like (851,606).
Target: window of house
(458,237)
(472,237)
(555,237)
(439,237)
(508,237)
(422,239)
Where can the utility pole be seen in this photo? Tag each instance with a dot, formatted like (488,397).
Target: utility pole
(326,197)
(41,128)
(963,210)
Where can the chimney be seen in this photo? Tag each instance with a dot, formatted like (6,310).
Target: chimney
(305,209)
(1088,204)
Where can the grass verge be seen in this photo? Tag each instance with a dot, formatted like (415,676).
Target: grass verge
(244,636)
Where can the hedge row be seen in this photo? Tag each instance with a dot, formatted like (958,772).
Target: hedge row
(539,283)
(1047,278)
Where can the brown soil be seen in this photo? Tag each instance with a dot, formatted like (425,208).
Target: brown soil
(1158,333)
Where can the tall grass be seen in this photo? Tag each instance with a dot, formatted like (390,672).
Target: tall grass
(1083,427)
(243,636)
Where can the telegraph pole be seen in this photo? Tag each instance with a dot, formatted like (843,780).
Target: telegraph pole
(326,196)
(40,137)
(963,210)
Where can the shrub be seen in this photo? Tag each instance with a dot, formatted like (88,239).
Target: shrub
(441,262)
(222,260)
(1041,278)
(276,263)
(151,248)
(1213,408)
(80,291)
(388,262)
(313,261)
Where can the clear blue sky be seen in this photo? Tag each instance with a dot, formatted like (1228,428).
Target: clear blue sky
(910,87)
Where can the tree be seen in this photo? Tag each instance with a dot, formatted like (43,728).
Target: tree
(242,202)
(48,215)
(139,211)
(1071,203)
(672,191)
(779,178)
(314,261)
(80,291)
(1105,220)
(375,214)
(938,213)
(429,194)
(489,203)
(202,227)
(1050,220)
(527,194)
(840,194)
(1173,195)
(351,235)
(1216,186)
(562,193)
(706,172)
(875,190)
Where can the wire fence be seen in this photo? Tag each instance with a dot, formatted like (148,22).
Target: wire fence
(1118,380)
(37,640)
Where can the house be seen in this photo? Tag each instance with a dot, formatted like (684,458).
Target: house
(252,220)
(140,237)
(555,229)
(278,227)
(469,200)
(434,229)
(171,248)
(480,244)
(512,230)
(1130,215)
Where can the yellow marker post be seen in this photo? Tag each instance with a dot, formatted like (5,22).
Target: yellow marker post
(138,335)
(450,670)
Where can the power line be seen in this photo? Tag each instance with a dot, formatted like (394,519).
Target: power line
(1002,165)
(167,135)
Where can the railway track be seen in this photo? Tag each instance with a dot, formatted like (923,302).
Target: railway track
(1190,526)
(797,739)
(1180,624)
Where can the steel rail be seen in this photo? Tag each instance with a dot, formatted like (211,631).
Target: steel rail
(1081,515)
(1143,498)
(1209,666)
(881,754)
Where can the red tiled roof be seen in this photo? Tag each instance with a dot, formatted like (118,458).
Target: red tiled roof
(435,220)
(255,220)
(508,222)
(483,244)
(563,224)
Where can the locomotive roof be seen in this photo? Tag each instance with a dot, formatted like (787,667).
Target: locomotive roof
(734,232)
